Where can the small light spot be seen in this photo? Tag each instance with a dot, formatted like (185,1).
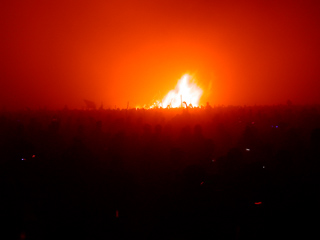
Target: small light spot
(277,126)
(213,160)
(201,183)
(23,159)
(252,123)
(33,156)
(117,213)
(248,149)
(263,166)
(258,203)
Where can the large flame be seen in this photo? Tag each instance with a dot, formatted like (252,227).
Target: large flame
(186,92)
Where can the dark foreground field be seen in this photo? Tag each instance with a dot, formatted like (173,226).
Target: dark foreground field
(209,173)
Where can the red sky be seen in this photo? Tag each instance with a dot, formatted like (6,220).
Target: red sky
(56,53)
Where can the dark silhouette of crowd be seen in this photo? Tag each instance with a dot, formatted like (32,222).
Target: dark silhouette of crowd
(222,172)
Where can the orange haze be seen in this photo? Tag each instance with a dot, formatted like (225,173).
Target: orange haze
(56,53)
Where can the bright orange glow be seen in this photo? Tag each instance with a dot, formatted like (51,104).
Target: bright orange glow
(186,93)
(112,53)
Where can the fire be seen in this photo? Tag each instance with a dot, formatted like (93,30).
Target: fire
(186,93)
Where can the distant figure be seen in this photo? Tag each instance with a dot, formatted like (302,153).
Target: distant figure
(208,106)
(185,104)
(101,106)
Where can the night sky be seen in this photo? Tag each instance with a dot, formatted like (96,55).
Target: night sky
(57,53)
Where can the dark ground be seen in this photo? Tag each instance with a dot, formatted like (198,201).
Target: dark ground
(211,173)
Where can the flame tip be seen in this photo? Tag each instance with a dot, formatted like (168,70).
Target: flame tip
(186,92)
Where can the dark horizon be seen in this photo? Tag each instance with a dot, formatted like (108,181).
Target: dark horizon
(221,173)
(287,104)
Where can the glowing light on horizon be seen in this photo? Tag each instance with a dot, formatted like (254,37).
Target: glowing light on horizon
(186,93)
